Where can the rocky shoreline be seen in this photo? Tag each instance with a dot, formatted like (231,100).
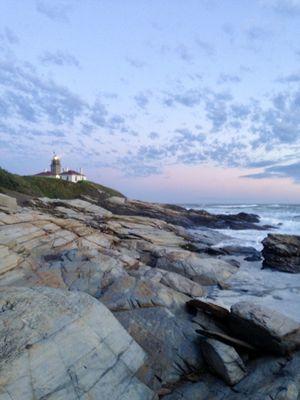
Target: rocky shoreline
(110,301)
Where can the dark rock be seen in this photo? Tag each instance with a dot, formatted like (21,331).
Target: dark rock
(241,250)
(254,257)
(229,340)
(264,328)
(282,252)
(181,216)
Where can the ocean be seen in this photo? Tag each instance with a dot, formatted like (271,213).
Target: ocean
(272,288)
(284,217)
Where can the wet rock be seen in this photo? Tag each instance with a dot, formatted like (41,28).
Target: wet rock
(282,252)
(264,328)
(250,253)
(62,345)
(223,360)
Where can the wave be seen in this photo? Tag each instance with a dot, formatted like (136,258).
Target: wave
(285,217)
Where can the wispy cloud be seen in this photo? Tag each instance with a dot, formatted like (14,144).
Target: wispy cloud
(60,58)
(142,99)
(9,36)
(291,78)
(206,47)
(184,53)
(54,10)
(284,7)
(136,63)
(279,171)
(228,78)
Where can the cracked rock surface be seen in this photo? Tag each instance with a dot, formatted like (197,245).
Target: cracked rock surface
(94,305)
(63,345)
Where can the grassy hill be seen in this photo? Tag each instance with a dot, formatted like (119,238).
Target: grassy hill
(33,186)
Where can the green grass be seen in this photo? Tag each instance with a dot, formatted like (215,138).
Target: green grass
(53,188)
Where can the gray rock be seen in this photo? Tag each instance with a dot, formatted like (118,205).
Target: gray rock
(264,328)
(223,360)
(172,280)
(155,317)
(62,345)
(282,252)
(270,378)
(204,270)
(7,202)
(168,338)
(128,292)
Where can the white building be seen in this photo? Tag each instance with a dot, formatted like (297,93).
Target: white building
(67,174)
(72,176)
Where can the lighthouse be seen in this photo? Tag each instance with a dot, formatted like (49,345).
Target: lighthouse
(55,165)
(67,174)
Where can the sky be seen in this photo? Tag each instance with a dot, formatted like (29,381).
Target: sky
(181,101)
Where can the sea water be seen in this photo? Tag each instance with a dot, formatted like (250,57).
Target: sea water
(269,287)
(284,217)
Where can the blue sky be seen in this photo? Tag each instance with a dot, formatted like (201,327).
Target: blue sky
(165,100)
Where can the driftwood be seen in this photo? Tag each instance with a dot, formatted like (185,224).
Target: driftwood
(222,337)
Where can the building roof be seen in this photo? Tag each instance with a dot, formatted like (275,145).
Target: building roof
(45,173)
(71,172)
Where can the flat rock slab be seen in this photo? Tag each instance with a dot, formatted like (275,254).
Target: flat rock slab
(264,328)
(78,204)
(59,345)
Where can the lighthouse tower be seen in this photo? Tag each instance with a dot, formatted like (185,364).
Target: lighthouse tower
(55,166)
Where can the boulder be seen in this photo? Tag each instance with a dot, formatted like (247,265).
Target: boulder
(116,200)
(282,252)
(154,315)
(264,328)
(8,203)
(60,345)
(223,360)
(170,340)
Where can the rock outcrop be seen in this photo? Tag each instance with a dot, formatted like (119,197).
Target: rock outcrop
(98,305)
(282,252)
(181,216)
